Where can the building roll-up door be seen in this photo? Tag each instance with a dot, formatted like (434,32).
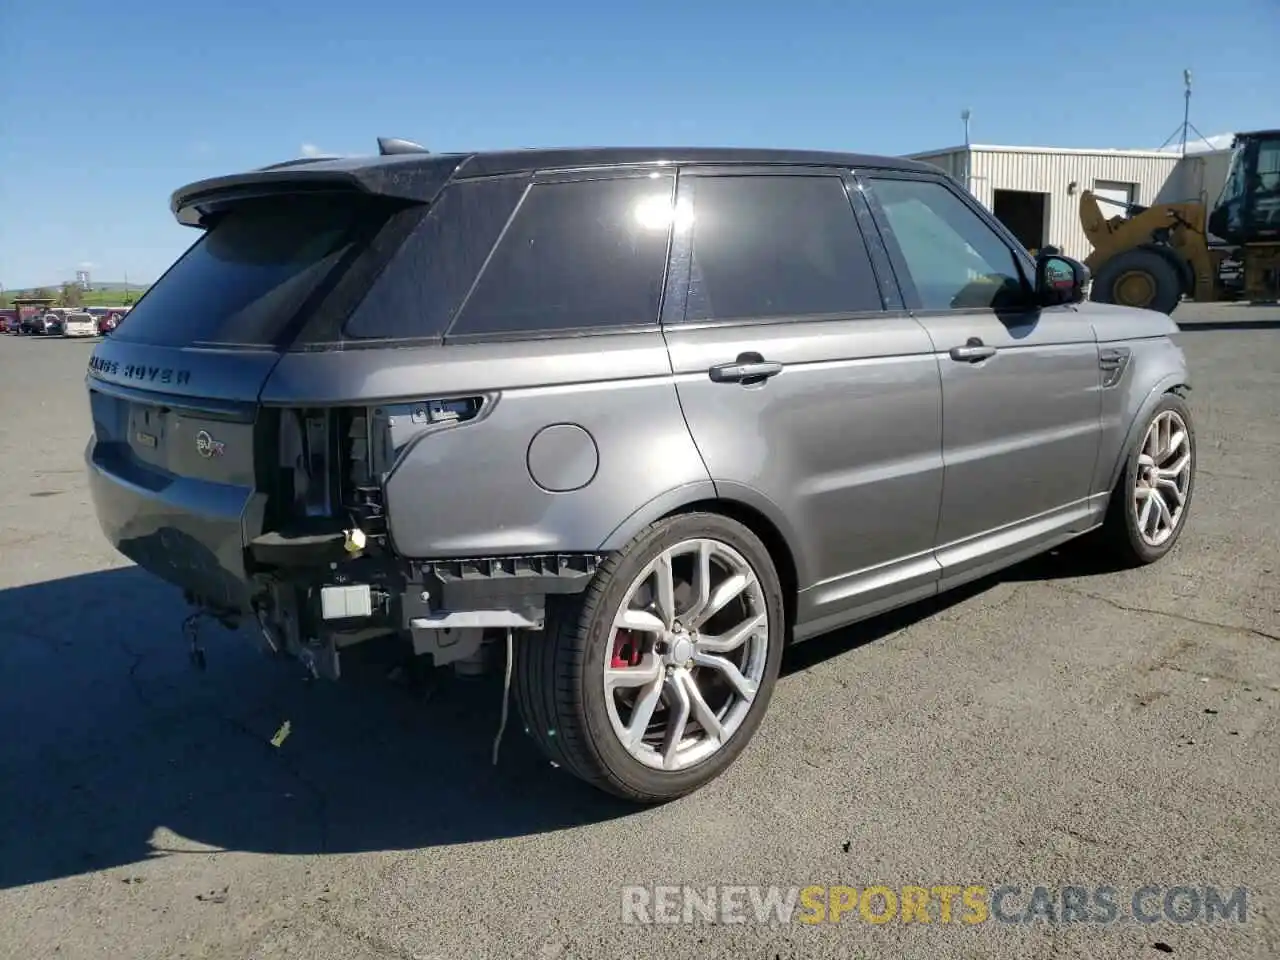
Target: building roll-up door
(1106,190)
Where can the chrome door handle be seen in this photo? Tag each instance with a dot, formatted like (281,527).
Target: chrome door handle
(973,351)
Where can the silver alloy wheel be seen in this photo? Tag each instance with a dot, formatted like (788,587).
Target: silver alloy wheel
(1164,477)
(687,653)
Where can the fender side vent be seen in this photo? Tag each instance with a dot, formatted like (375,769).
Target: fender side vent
(1113,361)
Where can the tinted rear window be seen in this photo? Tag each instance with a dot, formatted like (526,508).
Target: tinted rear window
(245,280)
(578,255)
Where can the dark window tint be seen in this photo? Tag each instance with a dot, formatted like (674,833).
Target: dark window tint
(422,287)
(776,246)
(955,259)
(246,278)
(1249,206)
(577,255)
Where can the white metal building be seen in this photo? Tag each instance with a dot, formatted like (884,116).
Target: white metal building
(1035,191)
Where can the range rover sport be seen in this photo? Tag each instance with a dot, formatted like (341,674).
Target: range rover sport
(639,417)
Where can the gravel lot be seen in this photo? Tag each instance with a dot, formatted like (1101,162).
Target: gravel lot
(1056,725)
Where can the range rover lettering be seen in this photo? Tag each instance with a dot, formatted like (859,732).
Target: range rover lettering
(632,419)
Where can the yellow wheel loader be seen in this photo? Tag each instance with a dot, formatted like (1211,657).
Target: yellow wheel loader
(1154,256)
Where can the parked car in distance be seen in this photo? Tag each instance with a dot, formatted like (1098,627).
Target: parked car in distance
(56,318)
(638,417)
(79,324)
(107,317)
(45,324)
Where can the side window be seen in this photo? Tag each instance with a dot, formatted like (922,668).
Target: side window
(1269,168)
(578,255)
(956,261)
(419,292)
(776,246)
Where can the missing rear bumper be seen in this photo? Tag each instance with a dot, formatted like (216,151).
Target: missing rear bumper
(445,608)
(504,583)
(463,602)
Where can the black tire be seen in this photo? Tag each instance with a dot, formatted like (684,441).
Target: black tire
(557,673)
(1165,281)
(1119,534)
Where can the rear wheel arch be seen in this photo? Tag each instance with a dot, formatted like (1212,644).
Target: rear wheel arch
(560,677)
(773,539)
(748,510)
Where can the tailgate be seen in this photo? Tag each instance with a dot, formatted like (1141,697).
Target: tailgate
(178,479)
(172,475)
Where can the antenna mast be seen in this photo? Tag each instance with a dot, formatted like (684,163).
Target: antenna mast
(1186,125)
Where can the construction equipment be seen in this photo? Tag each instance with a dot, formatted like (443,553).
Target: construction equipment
(1154,256)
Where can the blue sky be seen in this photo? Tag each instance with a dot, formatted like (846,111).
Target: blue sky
(106,107)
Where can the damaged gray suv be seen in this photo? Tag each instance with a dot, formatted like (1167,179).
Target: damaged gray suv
(636,418)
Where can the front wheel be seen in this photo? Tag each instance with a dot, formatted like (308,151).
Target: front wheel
(1149,506)
(651,683)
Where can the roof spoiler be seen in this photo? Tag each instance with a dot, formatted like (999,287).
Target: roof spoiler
(195,203)
(295,163)
(412,182)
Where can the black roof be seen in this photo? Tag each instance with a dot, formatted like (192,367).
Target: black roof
(520,161)
(419,176)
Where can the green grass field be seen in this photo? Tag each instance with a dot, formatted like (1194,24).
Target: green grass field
(113,297)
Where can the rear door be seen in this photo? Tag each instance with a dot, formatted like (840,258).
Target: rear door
(811,393)
(1021,387)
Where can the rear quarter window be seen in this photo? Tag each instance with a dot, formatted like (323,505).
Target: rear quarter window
(419,292)
(578,255)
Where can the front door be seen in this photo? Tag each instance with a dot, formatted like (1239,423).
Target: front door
(1020,384)
(811,398)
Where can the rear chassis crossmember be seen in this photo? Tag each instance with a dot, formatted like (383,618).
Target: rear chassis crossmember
(315,593)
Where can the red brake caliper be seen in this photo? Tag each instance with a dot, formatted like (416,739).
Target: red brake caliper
(626,650)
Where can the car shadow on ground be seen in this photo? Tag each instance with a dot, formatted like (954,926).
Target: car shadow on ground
(117,749)
(1207,326)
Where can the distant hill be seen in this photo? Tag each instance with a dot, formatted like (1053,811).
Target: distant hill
(104,286)
(106,294)
(118,285)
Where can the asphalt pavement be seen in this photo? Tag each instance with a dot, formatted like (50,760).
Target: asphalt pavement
(1058,725)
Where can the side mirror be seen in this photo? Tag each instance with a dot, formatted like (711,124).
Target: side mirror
(1059,279)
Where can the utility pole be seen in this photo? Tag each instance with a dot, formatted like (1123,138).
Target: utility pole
(965,114)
